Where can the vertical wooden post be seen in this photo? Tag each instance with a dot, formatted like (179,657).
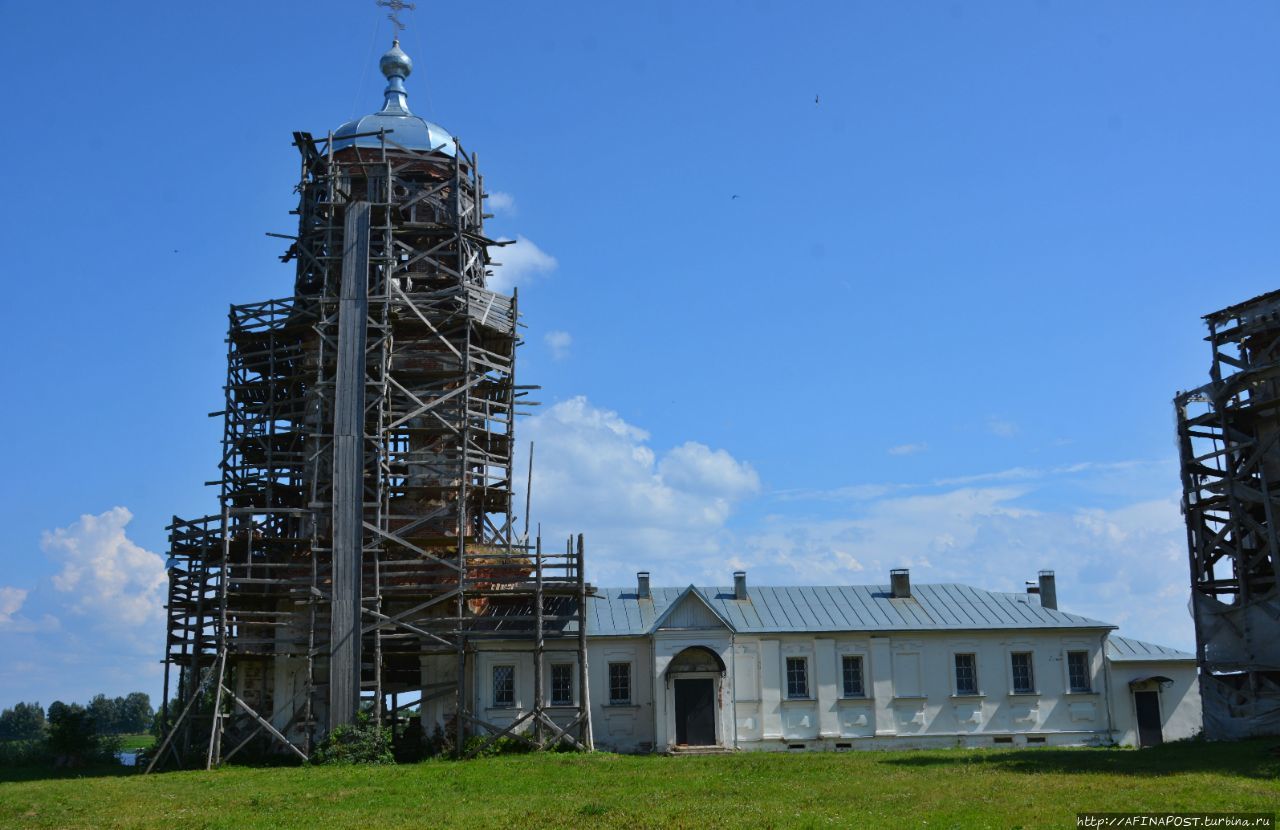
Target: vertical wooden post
(538,703)
(348,471)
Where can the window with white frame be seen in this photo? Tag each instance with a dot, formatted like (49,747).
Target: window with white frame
(1078,671)
(797,677)
(561,684)
(504,685)
(1024,678)
(966,674)
(619,684)
(851,675)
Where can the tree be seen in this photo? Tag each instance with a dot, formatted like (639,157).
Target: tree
(105,713)
(23,722)
(73,736)
(136,713)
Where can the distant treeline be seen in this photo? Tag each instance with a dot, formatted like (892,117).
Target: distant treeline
(70,734)
(126,715)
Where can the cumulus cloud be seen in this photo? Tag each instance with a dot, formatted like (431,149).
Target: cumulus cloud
(677,513)
(694,467)
(558,342)
(1124,565)
(908,449)
(503,203)
(595,473)
(11,600)
(521,262)
(104,573)
(94,624)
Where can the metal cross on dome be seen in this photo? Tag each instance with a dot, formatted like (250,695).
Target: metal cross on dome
(396,7)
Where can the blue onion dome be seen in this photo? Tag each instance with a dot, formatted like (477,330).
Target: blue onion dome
(404,128)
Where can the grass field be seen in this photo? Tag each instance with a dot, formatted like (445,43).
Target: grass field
(940,788)
(129,743)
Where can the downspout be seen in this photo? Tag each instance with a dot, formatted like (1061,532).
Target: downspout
(653,688)
(733,686)
(1106,679)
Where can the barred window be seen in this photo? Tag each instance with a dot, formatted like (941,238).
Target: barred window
(504,685)
(966,674)
(1078,671)
(619,683)
(797,677)
(851,671)
(561,684)
(1024,679)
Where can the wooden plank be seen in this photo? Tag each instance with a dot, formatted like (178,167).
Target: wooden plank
(348,470)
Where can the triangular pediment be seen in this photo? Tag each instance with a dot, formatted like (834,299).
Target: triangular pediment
(690,611)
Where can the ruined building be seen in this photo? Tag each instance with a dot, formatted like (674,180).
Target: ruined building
(365,544)
(1229,443)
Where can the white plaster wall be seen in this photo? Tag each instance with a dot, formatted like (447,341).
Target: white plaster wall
(622,728)
(911,696)
(909,679)
(1180,712)
(490,655)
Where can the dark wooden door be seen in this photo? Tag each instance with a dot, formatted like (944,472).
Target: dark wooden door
(696,712)
(1148,705)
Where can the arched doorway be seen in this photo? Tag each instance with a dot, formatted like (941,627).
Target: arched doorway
(694,677)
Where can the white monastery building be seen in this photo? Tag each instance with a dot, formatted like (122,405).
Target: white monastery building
(849,667)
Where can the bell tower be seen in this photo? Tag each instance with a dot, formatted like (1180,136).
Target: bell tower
(366,556)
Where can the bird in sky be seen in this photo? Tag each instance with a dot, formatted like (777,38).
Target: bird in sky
(734,196)
(815,99)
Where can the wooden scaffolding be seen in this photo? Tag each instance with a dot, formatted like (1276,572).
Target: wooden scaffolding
(366,546)
(1229,445)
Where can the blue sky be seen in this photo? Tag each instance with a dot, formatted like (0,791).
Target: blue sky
(940,325)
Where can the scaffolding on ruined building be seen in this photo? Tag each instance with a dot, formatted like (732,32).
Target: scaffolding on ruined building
(365,546)
(1229,447)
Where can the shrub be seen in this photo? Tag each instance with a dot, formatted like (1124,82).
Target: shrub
(30,753)
(363,742)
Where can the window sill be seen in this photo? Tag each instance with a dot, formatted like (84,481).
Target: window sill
(910,698)
(968,696)
(857,699)
(562,706)
(1081,694)
(1024,694)
(799,700)
(622,706)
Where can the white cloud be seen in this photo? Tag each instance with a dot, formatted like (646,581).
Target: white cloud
(96,626)
(908,449)
(1124,565)
(11,600)
(503,203)
(520,262)
(104,573)
(669,512)
(695,467)
(595,473)
(559,343)
(1001,427)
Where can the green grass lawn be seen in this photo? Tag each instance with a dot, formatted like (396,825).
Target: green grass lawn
(129,743)
(939,788)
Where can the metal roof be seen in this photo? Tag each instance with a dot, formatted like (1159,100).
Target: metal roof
(942,607)
(1127,650)
(405,128)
